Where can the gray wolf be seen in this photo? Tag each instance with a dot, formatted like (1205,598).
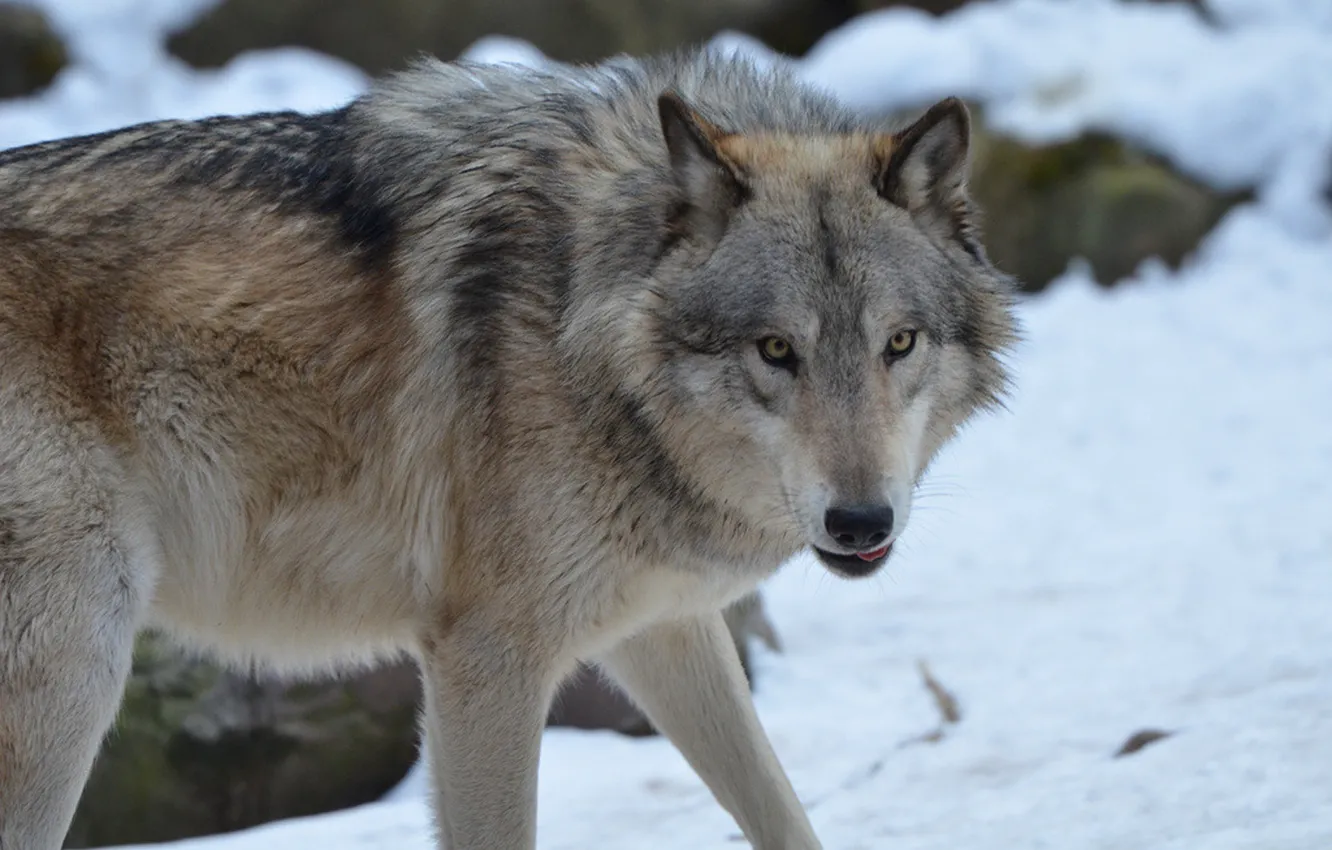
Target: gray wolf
(502,368)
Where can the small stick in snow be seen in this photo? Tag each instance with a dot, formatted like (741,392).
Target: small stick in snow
(943,698)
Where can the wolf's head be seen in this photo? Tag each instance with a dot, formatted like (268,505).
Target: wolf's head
(825,318)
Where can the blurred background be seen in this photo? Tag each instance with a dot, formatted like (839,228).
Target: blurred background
(1134,557)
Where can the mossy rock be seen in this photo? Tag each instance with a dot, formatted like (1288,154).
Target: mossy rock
(386,34)
(1093,197)
(198,750)
(31,54)
(934,7)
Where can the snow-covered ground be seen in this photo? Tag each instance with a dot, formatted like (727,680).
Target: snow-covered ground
(1143,541)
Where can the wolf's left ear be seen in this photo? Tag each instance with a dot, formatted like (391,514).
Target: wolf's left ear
(710,182)
(924,170)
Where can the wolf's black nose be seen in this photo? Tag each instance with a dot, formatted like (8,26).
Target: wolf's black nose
(859,527)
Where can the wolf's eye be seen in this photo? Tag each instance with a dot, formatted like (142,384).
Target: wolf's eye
(777,352)
(901,343)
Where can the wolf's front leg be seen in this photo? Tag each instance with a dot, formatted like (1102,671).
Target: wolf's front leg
(486,699)
(70,598)
(686,677)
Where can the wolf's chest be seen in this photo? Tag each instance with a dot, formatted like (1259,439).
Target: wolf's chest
(654,595)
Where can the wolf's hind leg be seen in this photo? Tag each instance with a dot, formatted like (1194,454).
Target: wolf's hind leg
(69,605)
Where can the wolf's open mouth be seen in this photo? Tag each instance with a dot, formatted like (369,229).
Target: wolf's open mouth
(855,566)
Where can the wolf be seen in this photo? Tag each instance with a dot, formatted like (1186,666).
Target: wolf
(507,369)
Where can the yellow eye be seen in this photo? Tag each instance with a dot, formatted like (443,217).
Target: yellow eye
(901,343)
(776,351)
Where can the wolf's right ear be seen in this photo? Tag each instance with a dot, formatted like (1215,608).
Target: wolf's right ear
(711,184)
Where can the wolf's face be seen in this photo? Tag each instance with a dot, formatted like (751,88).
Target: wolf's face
(831,318)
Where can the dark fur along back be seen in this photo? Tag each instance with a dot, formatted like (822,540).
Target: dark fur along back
(303,164)
(396,150)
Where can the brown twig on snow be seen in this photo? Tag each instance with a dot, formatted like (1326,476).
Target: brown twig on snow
(943,698)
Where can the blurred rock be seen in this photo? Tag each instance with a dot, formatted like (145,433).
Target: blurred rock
(1094,197)
(385,34)
(1327,179)
(199,750)
(588,701)
(31,54)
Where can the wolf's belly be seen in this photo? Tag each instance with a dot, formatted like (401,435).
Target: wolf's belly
(309,587)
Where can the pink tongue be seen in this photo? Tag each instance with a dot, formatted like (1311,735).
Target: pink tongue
(872,556)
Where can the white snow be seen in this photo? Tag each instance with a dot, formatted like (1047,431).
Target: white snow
(122,74)
(1227,105)
(503,49)
(1141,541)
(1305,13)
